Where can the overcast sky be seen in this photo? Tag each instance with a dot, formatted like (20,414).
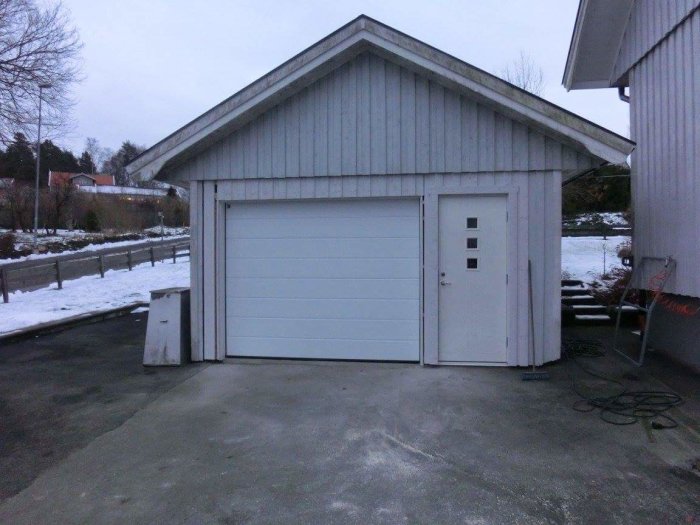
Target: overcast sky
(153,65)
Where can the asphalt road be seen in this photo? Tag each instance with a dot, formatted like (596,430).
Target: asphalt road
(58,392)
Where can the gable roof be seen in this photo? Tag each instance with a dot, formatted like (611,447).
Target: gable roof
(360,35)
(62,177)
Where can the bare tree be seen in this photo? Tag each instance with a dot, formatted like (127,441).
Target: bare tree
(97,152)
(20,200)
(38,45)
(56,204)
(526,74)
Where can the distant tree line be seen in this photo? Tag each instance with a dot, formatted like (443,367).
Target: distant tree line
(605,189)
(18,160)
(62,206)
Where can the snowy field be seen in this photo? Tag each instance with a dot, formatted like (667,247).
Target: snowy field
(585,258)
(610,218)
(91,294)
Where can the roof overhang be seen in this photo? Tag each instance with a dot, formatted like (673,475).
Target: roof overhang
(360,35)
(595,43)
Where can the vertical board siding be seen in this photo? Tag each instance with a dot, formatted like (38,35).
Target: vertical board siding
(207,258)
(650,22)
(373,116)
(665,98)
(196,309)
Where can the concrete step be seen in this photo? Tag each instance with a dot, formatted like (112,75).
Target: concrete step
(569,292)
(571,282)
(595,319)
(578,299)
(590,309)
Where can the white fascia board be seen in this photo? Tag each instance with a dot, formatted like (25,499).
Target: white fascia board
(614,155)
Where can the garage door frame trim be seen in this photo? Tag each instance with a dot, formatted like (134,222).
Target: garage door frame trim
(220,257)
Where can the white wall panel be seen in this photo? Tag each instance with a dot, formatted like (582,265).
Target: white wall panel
(665,97)
(372,116)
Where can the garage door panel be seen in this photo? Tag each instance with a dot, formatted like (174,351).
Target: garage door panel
(319,209)
(325,328)
(323,279)
(325,248)
(323,308)
(325,268)
(323,288)
(324,348)
(325,227)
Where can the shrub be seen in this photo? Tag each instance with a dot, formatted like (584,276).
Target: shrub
(92,223)
(608,288)
(7,245)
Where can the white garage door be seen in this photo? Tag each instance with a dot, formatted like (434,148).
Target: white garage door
(323,280)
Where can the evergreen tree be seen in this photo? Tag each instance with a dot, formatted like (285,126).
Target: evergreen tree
(18,160)
(86,164)
(115,165)
(54,158)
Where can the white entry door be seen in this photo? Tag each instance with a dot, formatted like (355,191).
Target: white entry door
(327,279)
(473,291)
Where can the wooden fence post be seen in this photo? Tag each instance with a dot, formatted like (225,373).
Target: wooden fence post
(174,254)
(5,286)
(153,259)
(128,258)
(58,275)
(102,266)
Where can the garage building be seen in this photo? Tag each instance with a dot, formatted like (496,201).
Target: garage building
(375,198)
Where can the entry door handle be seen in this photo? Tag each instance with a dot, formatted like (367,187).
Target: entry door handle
(445,283)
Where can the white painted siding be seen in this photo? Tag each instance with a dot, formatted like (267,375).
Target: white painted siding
(372,116)
(649,22)
(665,102)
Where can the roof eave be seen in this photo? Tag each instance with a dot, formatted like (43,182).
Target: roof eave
(615,12)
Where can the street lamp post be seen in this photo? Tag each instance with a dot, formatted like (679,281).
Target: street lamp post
(38,167)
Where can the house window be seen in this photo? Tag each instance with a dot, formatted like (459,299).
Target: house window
(472,263)
(472,223)
(472,243)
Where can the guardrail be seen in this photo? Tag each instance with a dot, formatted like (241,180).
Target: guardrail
(36,273)
(595,232)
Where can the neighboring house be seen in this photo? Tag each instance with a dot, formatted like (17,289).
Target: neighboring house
(56,178)
(102,184)
(375,198)
(653,47)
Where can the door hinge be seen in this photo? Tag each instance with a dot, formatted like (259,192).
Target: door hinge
(506,278)
(506,216)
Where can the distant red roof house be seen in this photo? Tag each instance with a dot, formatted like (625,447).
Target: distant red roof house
(56,178)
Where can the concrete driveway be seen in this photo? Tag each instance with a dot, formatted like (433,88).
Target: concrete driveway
(318,442)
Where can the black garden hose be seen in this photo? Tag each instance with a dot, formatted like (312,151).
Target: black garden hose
(626,407)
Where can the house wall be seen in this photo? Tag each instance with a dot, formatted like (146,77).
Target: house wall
(664,108)
(538,225)
(665,100)
(649,22)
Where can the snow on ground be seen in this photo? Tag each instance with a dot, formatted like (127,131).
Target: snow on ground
(582,257)
(91,294)
(62,235)
(610,218)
